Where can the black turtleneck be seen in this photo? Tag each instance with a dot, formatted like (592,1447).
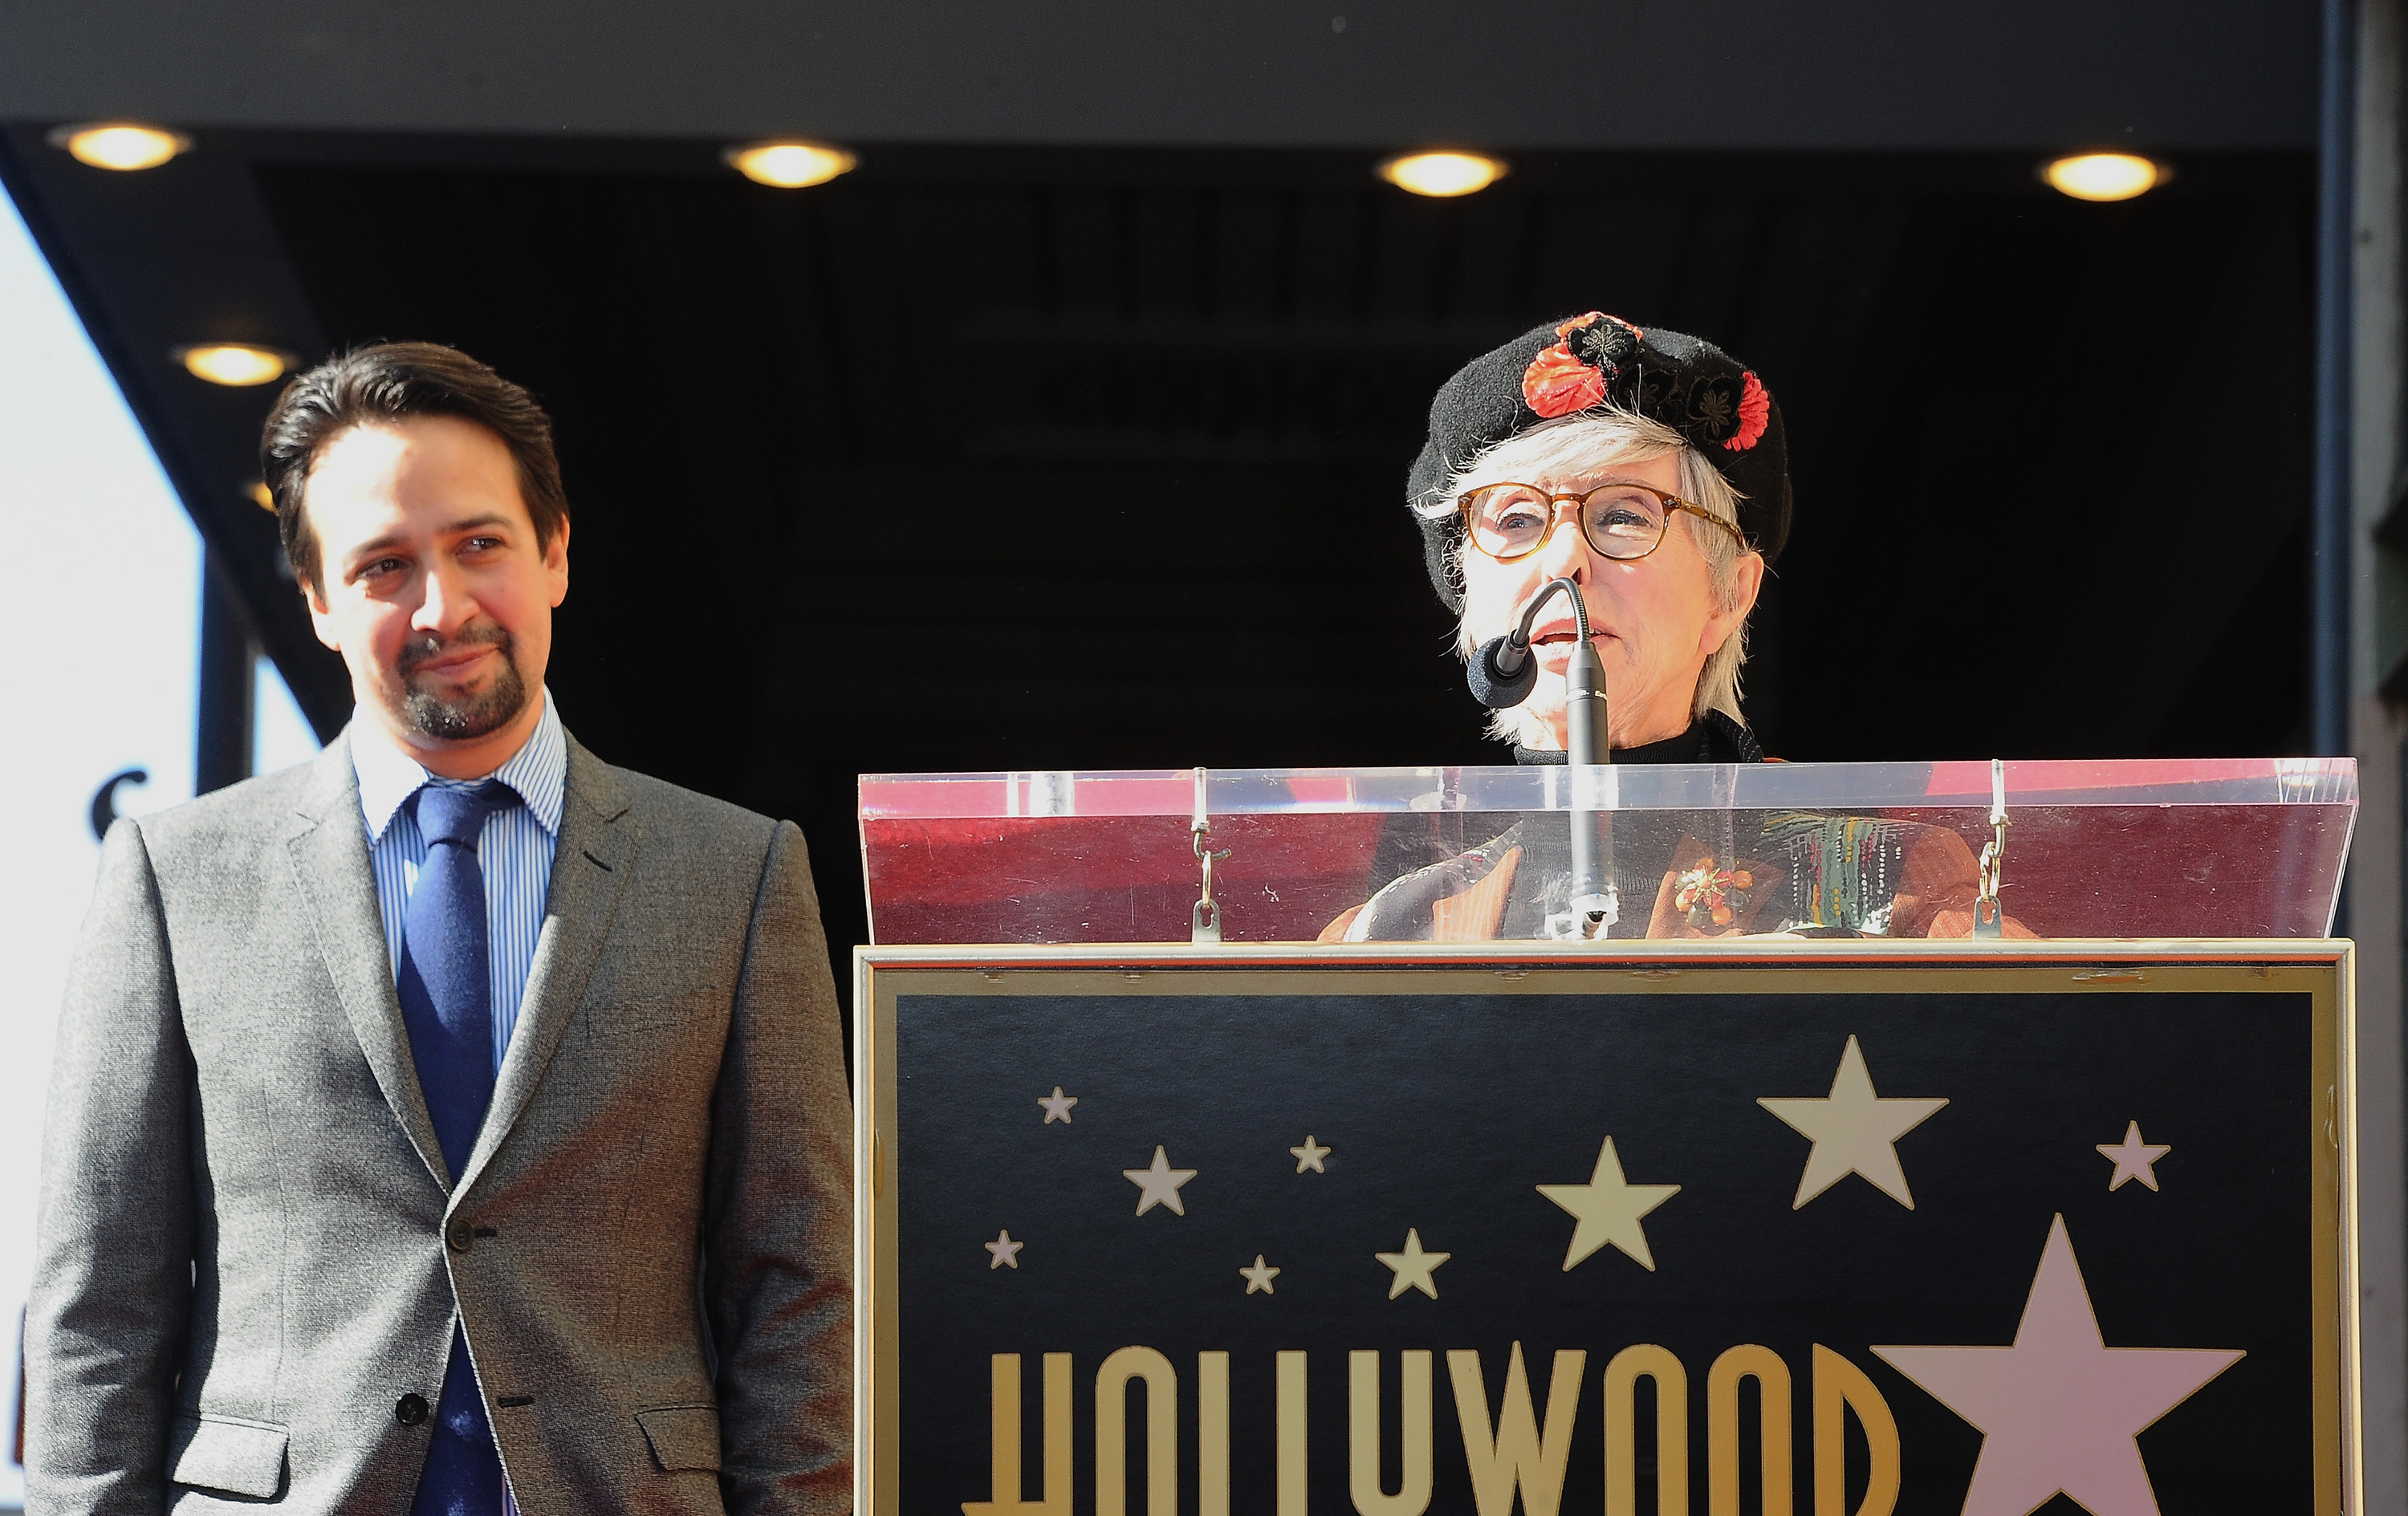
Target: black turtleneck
(1712,738)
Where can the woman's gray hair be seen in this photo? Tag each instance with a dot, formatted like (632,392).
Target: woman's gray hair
(1583,443)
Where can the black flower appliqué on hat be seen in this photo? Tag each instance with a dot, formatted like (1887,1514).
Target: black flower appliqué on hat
(1714,410)
(1605,344)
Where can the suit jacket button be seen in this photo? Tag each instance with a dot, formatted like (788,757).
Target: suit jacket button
(460,1235)
(409,1410)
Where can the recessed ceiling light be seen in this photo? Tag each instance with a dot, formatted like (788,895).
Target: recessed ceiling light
(256,492)
(1442,173)
(120,145)
(2103,175)
(790,164)
(233,363)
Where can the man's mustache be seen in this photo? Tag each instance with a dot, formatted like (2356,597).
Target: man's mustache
(419,651)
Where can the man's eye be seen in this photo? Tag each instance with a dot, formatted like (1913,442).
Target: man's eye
(380,567)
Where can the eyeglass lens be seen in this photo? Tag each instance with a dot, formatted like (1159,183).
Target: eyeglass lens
(1509,521)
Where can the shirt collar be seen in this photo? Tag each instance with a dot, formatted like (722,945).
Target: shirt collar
(538,771)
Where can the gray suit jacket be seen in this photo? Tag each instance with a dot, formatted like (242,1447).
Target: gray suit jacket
(249,1248)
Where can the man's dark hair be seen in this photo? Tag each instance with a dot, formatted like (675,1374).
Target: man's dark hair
(392,381)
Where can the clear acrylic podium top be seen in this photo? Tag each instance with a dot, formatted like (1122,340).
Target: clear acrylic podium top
(2189,848)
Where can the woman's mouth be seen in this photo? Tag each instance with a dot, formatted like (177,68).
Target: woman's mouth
(1553,647)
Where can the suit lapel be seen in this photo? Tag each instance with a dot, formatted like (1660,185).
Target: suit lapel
(329,850)
(595,854)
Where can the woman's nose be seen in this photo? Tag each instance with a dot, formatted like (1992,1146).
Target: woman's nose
(1566,553)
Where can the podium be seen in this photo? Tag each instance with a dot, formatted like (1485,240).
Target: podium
(1783,1213)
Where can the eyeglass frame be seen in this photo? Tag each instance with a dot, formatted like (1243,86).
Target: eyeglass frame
(1555,513)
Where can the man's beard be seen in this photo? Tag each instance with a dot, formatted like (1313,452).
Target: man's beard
(470,716)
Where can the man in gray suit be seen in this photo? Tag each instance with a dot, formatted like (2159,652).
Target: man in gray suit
(456,1122)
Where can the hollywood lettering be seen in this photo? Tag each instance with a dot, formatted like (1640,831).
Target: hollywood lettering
(1522,1445)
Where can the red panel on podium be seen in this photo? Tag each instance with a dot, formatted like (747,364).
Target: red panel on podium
(2131,849)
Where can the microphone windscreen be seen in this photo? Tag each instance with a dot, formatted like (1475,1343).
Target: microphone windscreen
(1491,685)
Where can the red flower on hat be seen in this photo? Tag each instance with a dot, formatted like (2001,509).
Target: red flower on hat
(1572,374)
(1556,384)
(1754,414)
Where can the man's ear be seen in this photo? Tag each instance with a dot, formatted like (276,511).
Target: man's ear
(555,564)
(321,616)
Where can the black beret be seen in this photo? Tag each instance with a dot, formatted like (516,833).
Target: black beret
(1592,361)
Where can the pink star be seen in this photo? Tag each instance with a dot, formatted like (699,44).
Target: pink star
(2060,1409)
(2134,1159)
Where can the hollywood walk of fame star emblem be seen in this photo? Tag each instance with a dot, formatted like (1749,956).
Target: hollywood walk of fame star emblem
(1413,1266)
(1854,1131)
(1309,1155)
(1058,1107)
(1158,1185)
(2134,1158)
(1260,1277)
(1007,1253)
(2058,1409)
(1608,1209)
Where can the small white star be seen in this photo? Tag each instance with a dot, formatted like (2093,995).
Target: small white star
(1309,1155)
(1608,1209)
(2134,1158)
(1058,1107)
(1159,1185)
(1413,1266)
(1007,1253)
(1260,1277)
(1854,1131)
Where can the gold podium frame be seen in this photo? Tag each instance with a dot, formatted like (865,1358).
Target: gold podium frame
(2323,968)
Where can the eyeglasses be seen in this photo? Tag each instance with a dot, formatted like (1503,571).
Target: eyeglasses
(1619,520)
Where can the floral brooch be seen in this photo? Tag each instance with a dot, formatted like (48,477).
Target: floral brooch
(1704,893)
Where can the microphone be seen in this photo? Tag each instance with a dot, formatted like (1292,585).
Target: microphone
(1503,674)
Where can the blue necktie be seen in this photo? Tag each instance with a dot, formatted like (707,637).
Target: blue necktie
(447,1003)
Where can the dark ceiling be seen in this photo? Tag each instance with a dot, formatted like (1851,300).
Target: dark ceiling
(1030,458)
(2178,76)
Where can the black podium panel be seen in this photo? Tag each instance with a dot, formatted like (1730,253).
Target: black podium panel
(1920,1229)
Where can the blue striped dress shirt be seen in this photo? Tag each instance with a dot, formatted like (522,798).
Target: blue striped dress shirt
(514,850)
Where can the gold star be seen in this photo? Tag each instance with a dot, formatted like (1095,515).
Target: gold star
(1058,1107)
(1159,1185)
(1413,1266)
(1309,1155)
(1854,1131)
(1608,1207)
(2134,1159)
(1260,1277)
(1007,1253)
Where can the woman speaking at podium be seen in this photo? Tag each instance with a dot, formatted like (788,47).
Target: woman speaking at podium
(1649,468)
